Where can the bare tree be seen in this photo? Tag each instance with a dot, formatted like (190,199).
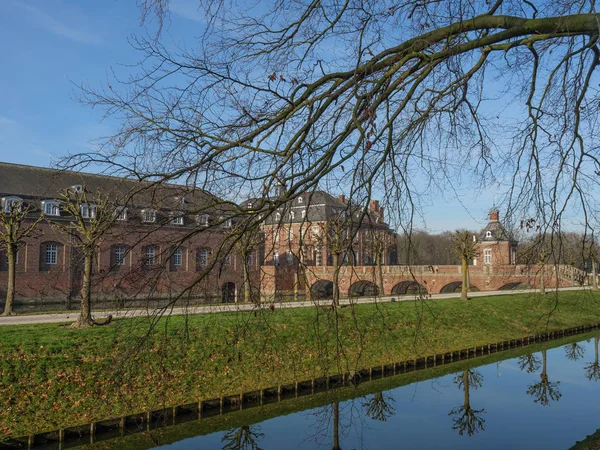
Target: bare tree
(544,391)
(465,246)
(90,219)
(466,419)
(15,225)
(379,406)
(262,99)
(593,368)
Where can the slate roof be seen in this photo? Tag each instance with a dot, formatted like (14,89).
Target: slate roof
(497,233)
(34,184)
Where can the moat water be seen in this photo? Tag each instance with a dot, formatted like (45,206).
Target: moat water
(547,399)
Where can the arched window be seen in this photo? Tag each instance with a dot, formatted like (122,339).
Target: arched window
(8,203)
(488,234)
(51,208)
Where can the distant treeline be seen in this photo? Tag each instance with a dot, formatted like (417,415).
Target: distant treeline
(424,248)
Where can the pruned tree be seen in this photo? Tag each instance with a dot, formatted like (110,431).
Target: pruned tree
(90,219)
(530,363)
(15,226)
(465,246)
(246,437)
(574,351)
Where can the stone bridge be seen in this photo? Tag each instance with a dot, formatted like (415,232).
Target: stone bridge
(357,281)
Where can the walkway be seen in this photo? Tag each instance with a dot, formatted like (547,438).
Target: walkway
(72,316)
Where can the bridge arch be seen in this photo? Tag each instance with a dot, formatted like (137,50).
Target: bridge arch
(363,288)
(322,289)
(513,285)
(409,287)
(456,286)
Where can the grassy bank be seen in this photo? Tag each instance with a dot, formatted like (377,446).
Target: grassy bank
(52,376)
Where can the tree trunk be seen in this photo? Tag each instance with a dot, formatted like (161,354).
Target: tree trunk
(542,279)
(594,277)
(596,339)
(379,275)
(11,254)
(85,316)
(247,287)
(465,278)
(336,279)
(466,387)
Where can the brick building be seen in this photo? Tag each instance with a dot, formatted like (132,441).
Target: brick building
(161,240)
(495,245)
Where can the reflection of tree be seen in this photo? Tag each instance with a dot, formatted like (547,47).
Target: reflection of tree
(467,419)
(336,426)
(544,391)
(574,351)
(530,363)
(242,438)
(379,406)
(593,369)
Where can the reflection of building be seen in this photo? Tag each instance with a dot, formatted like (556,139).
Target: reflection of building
(495,245)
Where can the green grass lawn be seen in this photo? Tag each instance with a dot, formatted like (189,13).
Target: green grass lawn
(53,376)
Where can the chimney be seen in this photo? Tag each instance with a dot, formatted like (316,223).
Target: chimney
(494,215)
(374,206)
(342,198)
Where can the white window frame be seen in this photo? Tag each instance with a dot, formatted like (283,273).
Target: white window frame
(51,208)
(275,258)
(488,234)
(290,258)
(203,257)
(120,251)
(150,256)
(300,199)
(290,234)
(148,215)
(487,256)
(51,256)
(203,220)
(120,213)
(88,211)
(177,257)
(9,202)
(177,218)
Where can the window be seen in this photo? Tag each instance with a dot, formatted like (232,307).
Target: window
(300,199)
(177,257)
(290,234)
(318,256)
(292,215)
(150,256)
(227,260)
(290,259)
(51,208)
(487,256)
(51,254)
(227,223)
(8,203)
(148,215)
(302,233)
(488,234)
(203,220)
(177,218)
(6,259)
(275,258)
(249,259)
(304,213)
(276,235)
(120,213)
(119,255)
(316,231)
(202,257)
(88,211)
(278,217)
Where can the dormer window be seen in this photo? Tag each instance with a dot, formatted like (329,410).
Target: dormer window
(177,218)
(88,211)
(51,208)
(277,217)
(488,234)
(203,220)
(77,188)
(227,223)
(300,199)
(8,203)
(292,215)
(120,213)
(148,215)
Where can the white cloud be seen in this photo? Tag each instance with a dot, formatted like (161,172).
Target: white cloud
(52,25)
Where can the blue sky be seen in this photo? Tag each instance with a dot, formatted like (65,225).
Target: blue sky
(51,46)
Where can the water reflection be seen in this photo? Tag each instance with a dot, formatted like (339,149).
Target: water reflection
(544,391)
(242,438)
(593,369)
(467,419)
(529,363)
(574,351)
(379,406)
